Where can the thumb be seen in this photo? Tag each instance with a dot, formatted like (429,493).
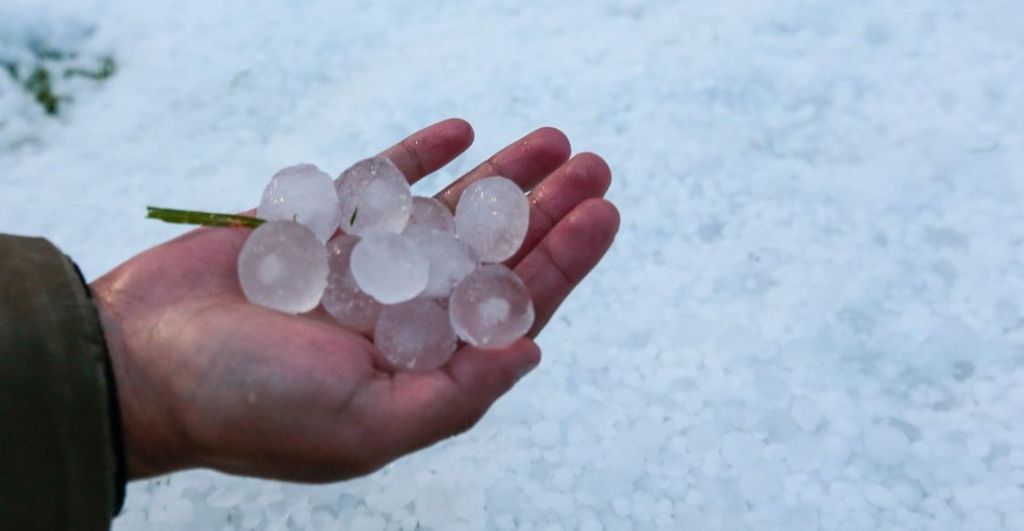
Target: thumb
(485,375)
(480,377)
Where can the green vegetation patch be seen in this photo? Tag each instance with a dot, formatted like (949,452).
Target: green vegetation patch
(42,75)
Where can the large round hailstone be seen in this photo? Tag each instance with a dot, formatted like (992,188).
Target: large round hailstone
(343,299)
(491,307)
(389,267)
(283,266)
(304,194)
(492,217)
(374,197)
(415,335)
(429,216)
(450,260)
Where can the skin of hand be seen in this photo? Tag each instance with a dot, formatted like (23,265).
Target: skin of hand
(206,379)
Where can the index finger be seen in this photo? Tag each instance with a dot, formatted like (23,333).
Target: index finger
(429,149)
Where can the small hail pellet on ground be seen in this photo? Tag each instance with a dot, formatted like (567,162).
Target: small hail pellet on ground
(403,270)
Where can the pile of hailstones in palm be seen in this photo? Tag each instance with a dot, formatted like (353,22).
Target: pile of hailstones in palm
(382,262)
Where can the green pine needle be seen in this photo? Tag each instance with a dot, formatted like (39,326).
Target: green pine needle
(208,219)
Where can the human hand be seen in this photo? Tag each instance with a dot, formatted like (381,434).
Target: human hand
(206,379)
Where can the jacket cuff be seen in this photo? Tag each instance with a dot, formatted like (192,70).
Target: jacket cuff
(63,465)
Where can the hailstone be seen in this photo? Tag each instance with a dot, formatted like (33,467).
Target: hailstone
(303,194)
(374,196)
(283,266)
(491,307)
(343,299)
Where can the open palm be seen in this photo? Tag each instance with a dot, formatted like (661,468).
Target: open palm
(207,379)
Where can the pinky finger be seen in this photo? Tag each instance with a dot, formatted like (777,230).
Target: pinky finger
(566,254)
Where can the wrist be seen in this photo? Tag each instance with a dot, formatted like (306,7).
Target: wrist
(148,444)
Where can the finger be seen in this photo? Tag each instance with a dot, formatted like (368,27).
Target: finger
(527,162)
(428,406)
(564,257)
(586,176)
(429,149)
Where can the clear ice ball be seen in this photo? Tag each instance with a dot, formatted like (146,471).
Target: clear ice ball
(374,197)
(304,194)
(450,260)
(389,267)
(492,216)
(415,335)
(283,266)
(343,299)
(491,307)
(429,216)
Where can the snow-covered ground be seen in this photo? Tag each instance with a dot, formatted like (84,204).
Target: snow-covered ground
(813,316)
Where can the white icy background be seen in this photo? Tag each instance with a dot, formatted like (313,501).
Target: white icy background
(812,317)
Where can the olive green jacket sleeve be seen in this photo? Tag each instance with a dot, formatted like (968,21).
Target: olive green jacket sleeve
(61,464)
